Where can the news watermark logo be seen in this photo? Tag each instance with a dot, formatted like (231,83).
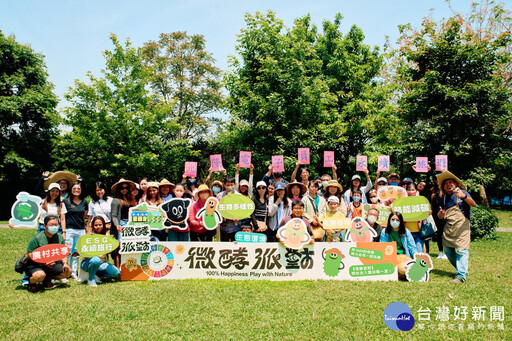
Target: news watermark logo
(398,316)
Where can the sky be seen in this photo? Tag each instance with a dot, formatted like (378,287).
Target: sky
(72,34)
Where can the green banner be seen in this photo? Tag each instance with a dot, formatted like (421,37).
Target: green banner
(412,208)
(235,206)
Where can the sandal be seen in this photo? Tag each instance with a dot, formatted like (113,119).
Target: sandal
(34,288)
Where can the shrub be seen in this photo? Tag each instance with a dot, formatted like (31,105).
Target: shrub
(483,223)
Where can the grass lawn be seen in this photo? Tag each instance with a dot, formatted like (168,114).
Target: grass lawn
(505,217)
(232,309)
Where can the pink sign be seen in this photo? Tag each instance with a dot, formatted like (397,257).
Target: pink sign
(384,163)
(422,164)
(191,169)
(303,156)
(441,162)
(328,159)
(245,159)
(216,162)
(361,163)
(277,163)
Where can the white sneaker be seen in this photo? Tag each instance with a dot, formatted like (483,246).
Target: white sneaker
(92,283)
(74,276)
(442,256)
(64,280)
(98,280)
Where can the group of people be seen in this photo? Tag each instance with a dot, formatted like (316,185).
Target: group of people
(67,215)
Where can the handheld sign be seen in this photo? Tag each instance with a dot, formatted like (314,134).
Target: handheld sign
(336,222)
(277,163)
(209,214)
(235,206)
(391,192)
(90,245)
(144,214)
(360,231)
(248,237)
(176,213)
(441,162)
(384,212)
(49,253)
(383,163)
(412,208)
(191,169)
(422,164)
(418,270)
(303,156)
(245,159)
(328,159)
(361,163)
(294,234)
(216,162)
(26,210)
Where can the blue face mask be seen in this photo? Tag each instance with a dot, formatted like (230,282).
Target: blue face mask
(394,223)
(216,190)
(356,199)
(53,229)
(393,183)
(191,182)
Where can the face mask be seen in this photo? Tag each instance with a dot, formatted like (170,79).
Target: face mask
(191,182)
(373,199)
(216,190)
(393,183)
(230,189)
(324,183)
(356,199)
(394,223)
(372,219)
(411,193)
(53,229)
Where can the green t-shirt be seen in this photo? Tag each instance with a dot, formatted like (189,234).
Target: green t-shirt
(41,239)
(395,237)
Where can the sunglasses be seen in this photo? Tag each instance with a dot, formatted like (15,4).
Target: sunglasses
(261,188)
(123,188)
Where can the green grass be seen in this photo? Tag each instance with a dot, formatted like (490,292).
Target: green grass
(505,217)
(232,309)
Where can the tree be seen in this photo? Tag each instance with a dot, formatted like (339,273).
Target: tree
(185,79)
(119,129)
(28,118)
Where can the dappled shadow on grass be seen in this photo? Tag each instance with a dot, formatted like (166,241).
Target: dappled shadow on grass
(442,273)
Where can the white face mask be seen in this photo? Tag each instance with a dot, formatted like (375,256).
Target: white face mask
(373,199)
(372,219)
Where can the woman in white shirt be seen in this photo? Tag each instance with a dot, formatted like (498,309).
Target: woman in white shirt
(52,205)
(100,206)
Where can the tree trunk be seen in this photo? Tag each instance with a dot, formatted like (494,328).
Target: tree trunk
(483,196)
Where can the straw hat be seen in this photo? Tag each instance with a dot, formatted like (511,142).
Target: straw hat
(218,183)
(60,175)
(202,188)
(334,183)
(449,175)
(129,182)
(166,182)
(303,188)
(153,184)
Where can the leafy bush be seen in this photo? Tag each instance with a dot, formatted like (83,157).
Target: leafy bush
(483,223)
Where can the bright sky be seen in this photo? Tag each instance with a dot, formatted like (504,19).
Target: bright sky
(72,34)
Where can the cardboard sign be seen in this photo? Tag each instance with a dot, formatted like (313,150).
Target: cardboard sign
(422,164)
(262,261)
(328,159)
(303,156)
(134,246)
(90,245)
(175,213)
(245,159)
(209,214)
(145,214)
(441,162)
(419,269)
(383,163)
(235,206)
(384,212)
(391,192)
(49,253)
(277,163)
(247,237)
(142,232)
(412,208)
(360,231)
(361,163)
(336,221)
(216,163)
(294,234)
(191,169)
(26,210)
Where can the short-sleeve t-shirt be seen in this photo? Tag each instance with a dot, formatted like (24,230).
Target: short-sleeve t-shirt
(394,236)
(448,201)
(101,208)
(41,239)
(52,210)
(75,215)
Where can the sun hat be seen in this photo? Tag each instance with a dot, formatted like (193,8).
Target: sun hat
(60,175)
(129,182)
(446,175)
(334,183)
(203,188)
(165,182)
(302,187)
(153,184)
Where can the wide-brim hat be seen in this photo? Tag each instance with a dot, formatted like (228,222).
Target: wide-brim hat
(60,175)
(203,188)
(449,175)
(303,187)
(165,182)
(334,183)
(129,182)
(153,184)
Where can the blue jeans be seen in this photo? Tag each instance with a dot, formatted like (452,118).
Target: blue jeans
(94,266)
(72,236)
(459,259)
(418,241)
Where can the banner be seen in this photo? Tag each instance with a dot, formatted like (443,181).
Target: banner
(303,156)
(412,208)
(268,261)
(328,159)
(244,160)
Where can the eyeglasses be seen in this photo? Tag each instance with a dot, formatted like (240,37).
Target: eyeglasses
(261,188)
